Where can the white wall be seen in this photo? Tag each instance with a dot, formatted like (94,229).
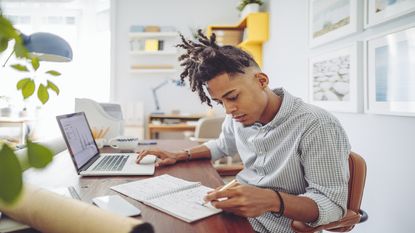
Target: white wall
(182,14)
(386,142)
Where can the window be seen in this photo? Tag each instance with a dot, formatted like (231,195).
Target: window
(87,76)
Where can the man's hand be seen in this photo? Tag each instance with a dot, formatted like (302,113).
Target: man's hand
(165,157)
(244,200)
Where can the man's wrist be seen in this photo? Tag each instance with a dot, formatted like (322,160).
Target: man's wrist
(274,204)
(181,156)
(278,206)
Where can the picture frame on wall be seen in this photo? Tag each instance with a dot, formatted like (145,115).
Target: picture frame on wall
(335,79)
(390,74)
(333,19)
(379,11)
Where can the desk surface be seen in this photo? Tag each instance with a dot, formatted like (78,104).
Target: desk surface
(62,173)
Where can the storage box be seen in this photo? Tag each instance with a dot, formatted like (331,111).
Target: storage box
(151,28)
(228,37)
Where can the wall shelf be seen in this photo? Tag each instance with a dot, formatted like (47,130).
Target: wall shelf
(153,34)
(153,52)
(149,58)
(153,71)
(256,32)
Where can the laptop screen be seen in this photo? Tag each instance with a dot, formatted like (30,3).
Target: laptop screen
(78,137)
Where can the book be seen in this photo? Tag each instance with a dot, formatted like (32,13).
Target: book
(151,45)
(177,197)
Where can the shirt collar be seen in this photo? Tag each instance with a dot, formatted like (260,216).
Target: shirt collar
(287,103)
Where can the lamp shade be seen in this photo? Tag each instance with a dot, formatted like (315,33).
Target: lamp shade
(47,47)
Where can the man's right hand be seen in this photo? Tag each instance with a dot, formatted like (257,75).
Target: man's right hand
(164,157)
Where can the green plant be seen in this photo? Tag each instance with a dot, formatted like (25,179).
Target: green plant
(37,156)
(243,3)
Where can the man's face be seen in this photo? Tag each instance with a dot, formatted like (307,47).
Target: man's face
(242,95)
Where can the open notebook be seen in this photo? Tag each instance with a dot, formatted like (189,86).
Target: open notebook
(177,197)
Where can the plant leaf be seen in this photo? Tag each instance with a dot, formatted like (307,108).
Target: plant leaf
(20,67)
(35,63)
(42,94)
(39,156)
(4,43)
(7,29)
(22,83)
(10,175)
(52,86)
(28,89)
(53,72)
(20,50)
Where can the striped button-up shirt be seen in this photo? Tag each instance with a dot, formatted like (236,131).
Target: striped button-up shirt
(303,151)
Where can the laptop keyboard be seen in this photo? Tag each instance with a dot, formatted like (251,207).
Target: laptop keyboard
(111,163)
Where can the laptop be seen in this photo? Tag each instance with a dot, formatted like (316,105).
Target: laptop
(85,153)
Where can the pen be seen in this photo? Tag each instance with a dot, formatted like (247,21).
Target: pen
(228,185)
(225,187)
(147,143)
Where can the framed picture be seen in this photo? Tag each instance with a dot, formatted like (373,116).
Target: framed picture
(335,79)
(390,75)
(379,11)
(333,19)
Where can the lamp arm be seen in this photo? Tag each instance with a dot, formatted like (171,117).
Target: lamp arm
(154,90)
(160,85)
(156,100)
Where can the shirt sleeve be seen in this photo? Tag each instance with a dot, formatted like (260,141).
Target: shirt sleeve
(225,145)
(324,154)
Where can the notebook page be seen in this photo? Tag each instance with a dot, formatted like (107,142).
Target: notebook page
(185,204)
(152,187)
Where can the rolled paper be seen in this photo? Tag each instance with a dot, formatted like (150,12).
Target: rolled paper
(52,213)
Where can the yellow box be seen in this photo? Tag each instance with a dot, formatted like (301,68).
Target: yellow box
(151,45)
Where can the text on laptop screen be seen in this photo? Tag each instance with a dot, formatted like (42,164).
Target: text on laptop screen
(79,138)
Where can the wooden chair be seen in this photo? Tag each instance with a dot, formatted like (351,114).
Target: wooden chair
(209,128)
(354,214)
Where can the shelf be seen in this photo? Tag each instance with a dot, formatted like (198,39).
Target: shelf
(147,45)
(153,52)
(256,26)
(176,116)
(153,34)
(149,71)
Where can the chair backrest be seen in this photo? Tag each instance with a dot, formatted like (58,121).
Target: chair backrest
(354,215)
(209,127)
(357,168)
(102,116)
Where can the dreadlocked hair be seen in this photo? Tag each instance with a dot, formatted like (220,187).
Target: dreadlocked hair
(204,59)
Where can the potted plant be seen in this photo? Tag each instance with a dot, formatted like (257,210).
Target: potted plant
(249,6)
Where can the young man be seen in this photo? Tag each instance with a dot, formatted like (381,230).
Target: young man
(295,155)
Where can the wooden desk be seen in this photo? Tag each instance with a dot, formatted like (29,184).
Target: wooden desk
(62,173)
(179,124)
